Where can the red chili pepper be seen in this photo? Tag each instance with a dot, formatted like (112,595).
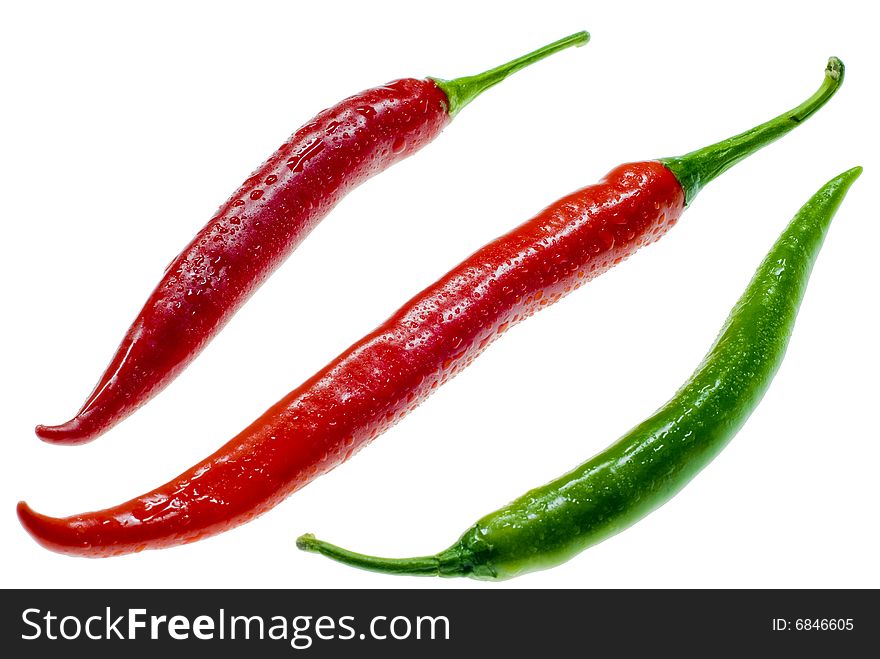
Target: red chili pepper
(432,337)
(263,222)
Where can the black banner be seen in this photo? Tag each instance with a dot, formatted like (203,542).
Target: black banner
(429,623)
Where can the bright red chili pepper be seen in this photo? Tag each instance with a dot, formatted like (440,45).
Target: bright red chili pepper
(263,222)
(440,331)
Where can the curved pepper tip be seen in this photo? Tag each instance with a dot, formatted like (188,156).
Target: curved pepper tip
(37,525)
(25,514)
(70,433)
(51,533)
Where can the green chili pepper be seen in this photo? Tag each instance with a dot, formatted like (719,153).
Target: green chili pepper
(651,463)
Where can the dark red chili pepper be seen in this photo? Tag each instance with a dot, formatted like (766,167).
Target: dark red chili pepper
(263,222)
(440,331)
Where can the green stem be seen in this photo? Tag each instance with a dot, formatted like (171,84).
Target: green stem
(697,168)
(462,91)
(447,563)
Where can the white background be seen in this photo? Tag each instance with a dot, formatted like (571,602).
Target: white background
(124,127)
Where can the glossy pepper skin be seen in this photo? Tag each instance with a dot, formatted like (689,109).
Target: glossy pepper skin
(656,459)
(262,223)
(386,374)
